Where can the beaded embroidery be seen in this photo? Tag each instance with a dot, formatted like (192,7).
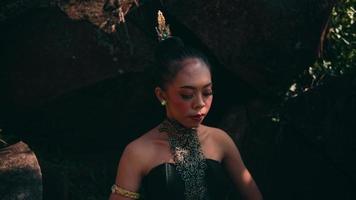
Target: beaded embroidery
(188,157)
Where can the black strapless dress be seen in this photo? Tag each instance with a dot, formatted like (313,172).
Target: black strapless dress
(164,182)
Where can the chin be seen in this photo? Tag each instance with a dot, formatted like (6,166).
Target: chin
(194,124)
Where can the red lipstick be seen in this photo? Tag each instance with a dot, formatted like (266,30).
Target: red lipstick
(198,117)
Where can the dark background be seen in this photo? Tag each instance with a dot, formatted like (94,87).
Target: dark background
(77,93)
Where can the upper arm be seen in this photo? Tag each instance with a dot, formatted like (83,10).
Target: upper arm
(237,169)
(129,173)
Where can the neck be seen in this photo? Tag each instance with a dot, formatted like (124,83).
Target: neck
(173,127)
(180,125)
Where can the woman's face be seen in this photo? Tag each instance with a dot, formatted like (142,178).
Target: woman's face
(189,94)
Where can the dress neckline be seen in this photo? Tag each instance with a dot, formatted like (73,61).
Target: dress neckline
(174,164)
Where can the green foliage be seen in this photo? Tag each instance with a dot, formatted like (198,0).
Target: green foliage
(339,53)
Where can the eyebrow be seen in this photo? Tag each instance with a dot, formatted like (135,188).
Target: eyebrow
(193,88)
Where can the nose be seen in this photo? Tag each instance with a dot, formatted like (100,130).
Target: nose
(199,102)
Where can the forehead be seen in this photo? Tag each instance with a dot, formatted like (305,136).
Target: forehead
(194,73)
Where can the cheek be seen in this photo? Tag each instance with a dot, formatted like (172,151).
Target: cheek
(180,105)
(208,102)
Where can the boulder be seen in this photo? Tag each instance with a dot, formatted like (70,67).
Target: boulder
(20,173)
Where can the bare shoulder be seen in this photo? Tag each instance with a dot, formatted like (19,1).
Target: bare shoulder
(218,135)
(133,162)
(132,165)
(234,164)
(140,149)
(223,140)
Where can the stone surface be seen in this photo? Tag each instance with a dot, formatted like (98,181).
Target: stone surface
(47,54)
(20,173)
(265,43)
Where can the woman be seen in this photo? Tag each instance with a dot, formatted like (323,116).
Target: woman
(181,158)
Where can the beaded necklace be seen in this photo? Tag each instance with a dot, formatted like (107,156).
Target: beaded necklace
(188,157)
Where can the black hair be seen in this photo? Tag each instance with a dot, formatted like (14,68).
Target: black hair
(169,55)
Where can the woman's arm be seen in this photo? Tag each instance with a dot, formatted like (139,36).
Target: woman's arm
(129,172)
(237,169)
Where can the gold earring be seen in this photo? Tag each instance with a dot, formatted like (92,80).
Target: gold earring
(163,103)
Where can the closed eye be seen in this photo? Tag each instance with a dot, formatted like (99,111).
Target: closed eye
(207,94)
(186,96)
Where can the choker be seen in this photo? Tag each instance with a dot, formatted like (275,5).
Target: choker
(189,159)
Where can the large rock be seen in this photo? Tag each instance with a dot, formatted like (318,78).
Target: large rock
(46,54)
(20,173)
(265,43)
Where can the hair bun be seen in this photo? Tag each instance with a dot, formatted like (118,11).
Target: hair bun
(168,46)
(172,41)
(169,55)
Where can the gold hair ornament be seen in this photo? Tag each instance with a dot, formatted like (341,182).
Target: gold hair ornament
(162,30)
(115,189)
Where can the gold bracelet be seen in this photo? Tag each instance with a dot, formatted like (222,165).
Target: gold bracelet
(115,189)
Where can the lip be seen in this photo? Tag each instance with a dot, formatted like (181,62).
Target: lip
(198,117)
